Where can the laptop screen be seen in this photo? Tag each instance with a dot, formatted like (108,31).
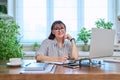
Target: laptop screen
(102,43)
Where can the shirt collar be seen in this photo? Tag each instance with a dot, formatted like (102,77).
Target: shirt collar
(56,44)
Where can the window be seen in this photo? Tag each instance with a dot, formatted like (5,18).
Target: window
(66,10)
(34,16)
(94,10)
(38,15)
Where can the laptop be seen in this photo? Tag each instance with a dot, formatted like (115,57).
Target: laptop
(102,43)
(101,46)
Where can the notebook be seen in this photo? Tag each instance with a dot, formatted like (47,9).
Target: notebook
(35,67)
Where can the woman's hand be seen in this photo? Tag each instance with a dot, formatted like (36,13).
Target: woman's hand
(68,36)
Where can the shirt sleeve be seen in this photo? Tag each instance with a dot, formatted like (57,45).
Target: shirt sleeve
(42,50)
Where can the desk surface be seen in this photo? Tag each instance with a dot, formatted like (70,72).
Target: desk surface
(108,70)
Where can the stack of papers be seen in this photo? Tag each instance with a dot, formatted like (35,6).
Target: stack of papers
(60,63)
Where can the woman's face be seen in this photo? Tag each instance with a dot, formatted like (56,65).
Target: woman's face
(59,31)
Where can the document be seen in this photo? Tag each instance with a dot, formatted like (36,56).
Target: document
(55,62)
(60,63)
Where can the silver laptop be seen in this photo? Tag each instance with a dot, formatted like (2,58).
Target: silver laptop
(102,43)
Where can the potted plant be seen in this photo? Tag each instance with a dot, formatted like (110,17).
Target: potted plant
(102,24)
(9,38)
(35,46)
(84,36)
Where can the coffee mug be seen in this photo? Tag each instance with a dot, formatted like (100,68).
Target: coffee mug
(15,60)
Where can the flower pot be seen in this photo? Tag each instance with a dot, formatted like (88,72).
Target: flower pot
(86,47)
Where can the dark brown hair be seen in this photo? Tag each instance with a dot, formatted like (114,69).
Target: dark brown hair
(52,36)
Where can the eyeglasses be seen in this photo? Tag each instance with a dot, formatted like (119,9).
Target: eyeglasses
(58,29)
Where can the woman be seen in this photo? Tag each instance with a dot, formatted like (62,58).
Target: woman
(56,47)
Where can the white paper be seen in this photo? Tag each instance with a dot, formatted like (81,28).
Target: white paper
(54,62)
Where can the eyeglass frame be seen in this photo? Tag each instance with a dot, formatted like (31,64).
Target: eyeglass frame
(58,29)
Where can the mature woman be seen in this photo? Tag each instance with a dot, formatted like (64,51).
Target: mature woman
(59,46)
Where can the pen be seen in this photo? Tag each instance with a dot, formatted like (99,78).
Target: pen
(27,64)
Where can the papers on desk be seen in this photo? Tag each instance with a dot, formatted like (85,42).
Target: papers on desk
(50,68)
(36,66)
(112,59)
(52,62)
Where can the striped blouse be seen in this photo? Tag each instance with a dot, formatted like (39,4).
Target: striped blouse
(51,48)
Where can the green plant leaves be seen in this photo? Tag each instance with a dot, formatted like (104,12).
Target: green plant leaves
(35,46)
(9,40)
(102,24)
(84,35)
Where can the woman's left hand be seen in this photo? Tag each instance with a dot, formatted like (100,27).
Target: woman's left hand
(68,36)
(62,58)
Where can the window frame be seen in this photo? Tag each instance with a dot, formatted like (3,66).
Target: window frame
(17,12)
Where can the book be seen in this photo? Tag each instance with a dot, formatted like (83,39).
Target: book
(35,67)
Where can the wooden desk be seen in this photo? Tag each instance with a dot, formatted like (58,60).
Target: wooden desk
(108,71)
